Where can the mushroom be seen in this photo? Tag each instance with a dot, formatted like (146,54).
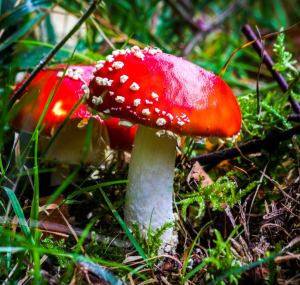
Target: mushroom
(67,92)
(165,95)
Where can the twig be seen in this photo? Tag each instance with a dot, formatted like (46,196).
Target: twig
(267,60)
(202,30)
(51,54)
(280,259)
(251,146)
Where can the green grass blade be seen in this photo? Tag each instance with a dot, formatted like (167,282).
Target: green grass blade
(15,15)
(36,267)
(124,227)
(84,235)
(192,247)
(21,32)
(95,187)
(63,186)
(34,214)
(19,213)
(51,36)
(2,170)
(194,271)
(76,55)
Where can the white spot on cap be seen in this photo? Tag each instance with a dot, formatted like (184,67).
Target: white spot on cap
(136,102)
(154,51)
(101,61)
(134,86)
(120,99)
(110,82)
(107,111)
(123,78)
(135,48)
(180,123)
(99,66)
(73,73)
(139,54)
(148,102)
(60,74)
(85,89)
(164,112)
(146,112)
(102,81)
(111,93)
(116,52)
(75,76)
(156,110)
(170,116)
(126,124)
(122,51)
(110,69)
(154,96)
(78,70)
(161,121)
(117,65)
(110,58)
(97,100)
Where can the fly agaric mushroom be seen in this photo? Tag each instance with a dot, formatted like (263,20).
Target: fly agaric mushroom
(166,93)
(67,91)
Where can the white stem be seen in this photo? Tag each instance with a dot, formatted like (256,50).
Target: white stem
(150,183)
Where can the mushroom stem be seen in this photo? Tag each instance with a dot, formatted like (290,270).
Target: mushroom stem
(149,193)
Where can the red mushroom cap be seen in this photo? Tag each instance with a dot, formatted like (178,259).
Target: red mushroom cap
(165,92)
(66,95)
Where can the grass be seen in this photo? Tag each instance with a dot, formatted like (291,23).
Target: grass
(230,232)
